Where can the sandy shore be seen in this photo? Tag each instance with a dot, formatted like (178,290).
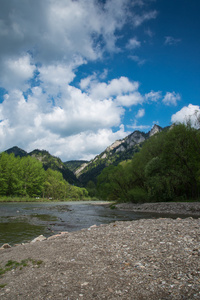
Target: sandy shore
(143,259)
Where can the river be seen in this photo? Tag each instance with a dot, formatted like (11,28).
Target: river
(22,222)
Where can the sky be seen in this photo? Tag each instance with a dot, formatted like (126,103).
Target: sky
(77,75)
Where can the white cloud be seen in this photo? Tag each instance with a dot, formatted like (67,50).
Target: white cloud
(171,98)
(43,43)
(169,40)
(16,72)
(139,19)
(187,113)
(134,126)
(87,81)
(130,99)
(137,59)
(102,90)
(153,96)
(55,30)
(80,113)
(55,78)
(149,32)
(140,113)
(133,43)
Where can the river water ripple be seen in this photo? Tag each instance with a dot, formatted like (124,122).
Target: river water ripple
(21,222)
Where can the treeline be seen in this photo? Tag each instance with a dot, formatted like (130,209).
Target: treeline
(167,168)
(26,177)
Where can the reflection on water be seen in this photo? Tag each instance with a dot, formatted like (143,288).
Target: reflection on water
(21,222)
(14,232)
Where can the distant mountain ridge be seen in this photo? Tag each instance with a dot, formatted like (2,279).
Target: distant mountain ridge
(81,172)
(17,151)
(119,151)
(48,161)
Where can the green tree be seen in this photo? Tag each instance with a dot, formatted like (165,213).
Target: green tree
(166,168)
(9,174)
(181,154)
(91,188)
(55,186)
(32,176)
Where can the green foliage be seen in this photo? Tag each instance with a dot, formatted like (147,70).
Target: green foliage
(52,162)
(167,168)
(55,187)
(32,175)
(137,195)
(91,188)
(25,178)
(48,161)
(113,183)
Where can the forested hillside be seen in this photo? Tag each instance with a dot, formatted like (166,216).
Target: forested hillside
(163,165)
(54,163)
(73,165)
(166,168)
(26,177)
(48,161)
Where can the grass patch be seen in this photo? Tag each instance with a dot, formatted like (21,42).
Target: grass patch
(25,199)
(37,199)
(12,265)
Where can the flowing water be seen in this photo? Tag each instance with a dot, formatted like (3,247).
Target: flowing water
(21,222)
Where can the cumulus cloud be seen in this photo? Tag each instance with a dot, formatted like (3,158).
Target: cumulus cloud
(101,90)
(80,113)
(130,99)
(171,98)
(187,113)
(16,72)
(43,45)
(56,30)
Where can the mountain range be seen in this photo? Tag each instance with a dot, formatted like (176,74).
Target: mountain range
(120,150)
(81,172)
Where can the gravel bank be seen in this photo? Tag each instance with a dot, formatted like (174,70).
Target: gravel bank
(183,208)
(143,259)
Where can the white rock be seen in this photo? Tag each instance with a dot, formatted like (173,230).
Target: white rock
(39,239)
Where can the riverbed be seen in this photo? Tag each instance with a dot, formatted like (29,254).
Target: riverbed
(22,222)
(143,259)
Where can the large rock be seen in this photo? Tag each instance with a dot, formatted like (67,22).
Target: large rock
(40,238)
(5,246)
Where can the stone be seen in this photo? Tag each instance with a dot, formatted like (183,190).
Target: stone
(40,238)
(5,246)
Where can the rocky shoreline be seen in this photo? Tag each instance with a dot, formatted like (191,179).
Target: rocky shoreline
(143,259)
(182,208)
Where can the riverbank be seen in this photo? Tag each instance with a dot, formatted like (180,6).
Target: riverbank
(40,199)
(182,208)
(143,259)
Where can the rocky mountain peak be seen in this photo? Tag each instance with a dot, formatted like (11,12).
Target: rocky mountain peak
(155,130)
(114,145)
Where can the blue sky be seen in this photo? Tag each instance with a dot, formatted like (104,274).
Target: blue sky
(77,75)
